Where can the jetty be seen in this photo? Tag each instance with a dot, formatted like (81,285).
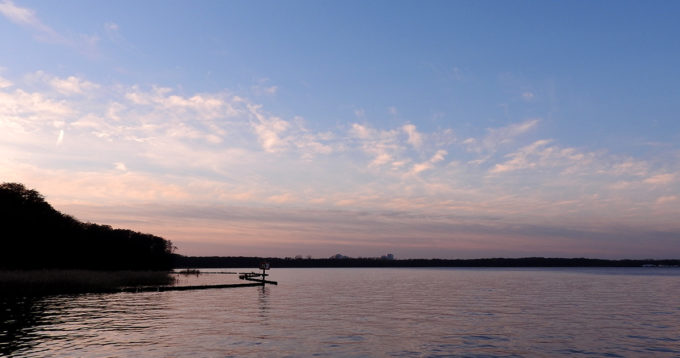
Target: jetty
(186,288)
(255,278)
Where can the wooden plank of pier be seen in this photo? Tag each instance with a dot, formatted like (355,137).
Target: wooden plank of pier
(187,288)
(259,280)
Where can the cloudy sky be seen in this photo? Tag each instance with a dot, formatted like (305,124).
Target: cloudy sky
(450,129)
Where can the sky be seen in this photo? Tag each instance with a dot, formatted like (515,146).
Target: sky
(425,129)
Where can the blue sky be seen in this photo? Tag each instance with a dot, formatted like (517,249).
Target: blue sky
(425,129)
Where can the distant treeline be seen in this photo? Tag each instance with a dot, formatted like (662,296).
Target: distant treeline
(240,261)
(33,235)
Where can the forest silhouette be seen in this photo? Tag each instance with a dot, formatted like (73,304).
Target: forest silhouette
(33,235)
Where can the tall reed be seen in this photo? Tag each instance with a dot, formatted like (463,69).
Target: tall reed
(45,282)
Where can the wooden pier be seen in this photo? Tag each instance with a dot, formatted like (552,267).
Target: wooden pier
(252,276)
(257,279)
(186,288)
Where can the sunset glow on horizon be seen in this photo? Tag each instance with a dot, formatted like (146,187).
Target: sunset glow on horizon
(281,128)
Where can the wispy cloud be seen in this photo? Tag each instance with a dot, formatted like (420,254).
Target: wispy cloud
(111,26)
(27,18)
(4,83)
(383,146)
(666,199)
(630,167)
(429,164)
(496,137)
(524,158)
(32,110)
(120,166)
(60,138)
(71,85)
(265,90)
(660,179)
(269,131)
(264,87)
(414,138)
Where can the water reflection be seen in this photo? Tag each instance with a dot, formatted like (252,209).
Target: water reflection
(263,301)
(363,312)
(18,317)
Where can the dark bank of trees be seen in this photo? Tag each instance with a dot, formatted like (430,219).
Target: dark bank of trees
(33,235)
(232,262)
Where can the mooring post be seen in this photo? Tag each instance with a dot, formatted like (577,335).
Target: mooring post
(264,266)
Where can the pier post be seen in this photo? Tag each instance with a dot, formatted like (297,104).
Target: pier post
(264,266)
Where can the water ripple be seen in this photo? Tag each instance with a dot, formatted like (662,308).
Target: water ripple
(364,313)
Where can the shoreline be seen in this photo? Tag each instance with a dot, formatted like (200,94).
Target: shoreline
(181,262)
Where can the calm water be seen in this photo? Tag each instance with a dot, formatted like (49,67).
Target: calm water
(366,313)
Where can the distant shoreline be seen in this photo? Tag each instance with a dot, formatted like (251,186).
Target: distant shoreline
(243,261)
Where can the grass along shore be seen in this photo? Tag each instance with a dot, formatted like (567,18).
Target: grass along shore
(48,282)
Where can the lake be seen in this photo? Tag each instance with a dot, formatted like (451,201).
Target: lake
(386,312)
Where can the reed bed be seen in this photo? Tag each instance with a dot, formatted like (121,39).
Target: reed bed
(48,282)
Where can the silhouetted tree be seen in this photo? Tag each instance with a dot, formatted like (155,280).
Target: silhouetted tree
(35,235)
